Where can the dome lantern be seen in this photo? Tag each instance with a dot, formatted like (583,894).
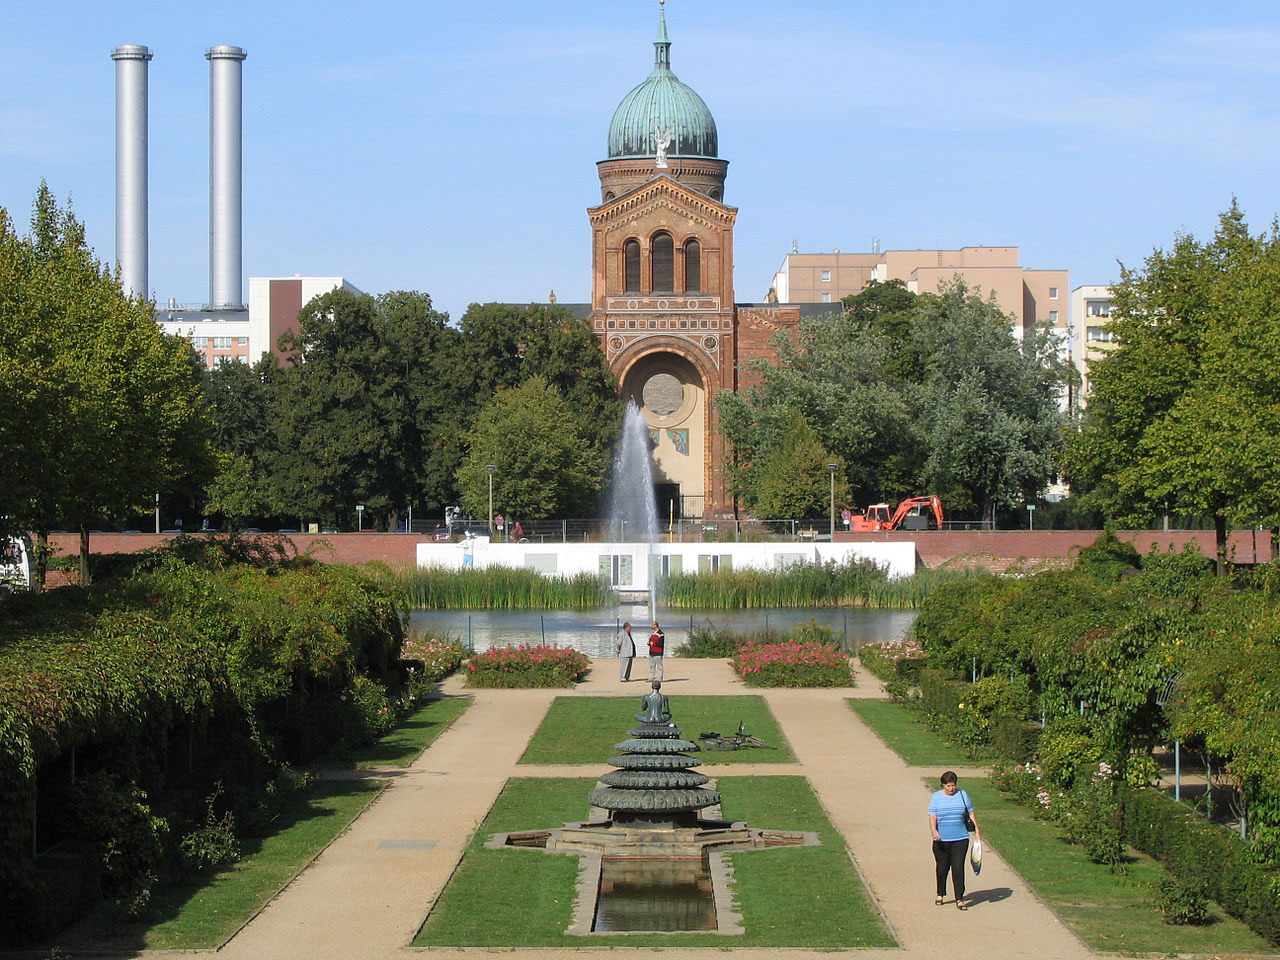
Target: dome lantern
(662,117)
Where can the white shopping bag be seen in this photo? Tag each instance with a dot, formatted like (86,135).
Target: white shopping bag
(975,856)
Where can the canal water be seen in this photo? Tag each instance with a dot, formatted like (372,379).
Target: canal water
(594,632)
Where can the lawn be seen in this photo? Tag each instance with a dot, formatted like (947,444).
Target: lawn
(414,734)
(1109,912)
(204,916)
(906,736)
(585,729)
(518,898)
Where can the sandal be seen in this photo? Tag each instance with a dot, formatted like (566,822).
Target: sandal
(937,901)
(961,905)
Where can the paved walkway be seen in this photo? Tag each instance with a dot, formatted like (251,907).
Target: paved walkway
(365,896)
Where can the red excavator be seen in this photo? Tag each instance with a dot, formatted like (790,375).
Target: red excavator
(910,514)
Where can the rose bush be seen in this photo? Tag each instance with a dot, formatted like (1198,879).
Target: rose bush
(793,664)
(543,665)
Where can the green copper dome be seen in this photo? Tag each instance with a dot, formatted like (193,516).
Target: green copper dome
(662,108)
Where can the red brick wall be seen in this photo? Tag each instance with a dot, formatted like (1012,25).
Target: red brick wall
(397,549)
(990,548)
(999,548)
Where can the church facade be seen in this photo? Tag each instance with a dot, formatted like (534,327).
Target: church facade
(662,302)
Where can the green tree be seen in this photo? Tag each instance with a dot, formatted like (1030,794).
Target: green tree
(506,345)
(795,480)
(544,465)
(365,412)
(111,412)
(1181,417)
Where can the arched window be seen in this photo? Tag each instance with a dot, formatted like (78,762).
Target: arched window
(663,254)
(631,266)
(692,266)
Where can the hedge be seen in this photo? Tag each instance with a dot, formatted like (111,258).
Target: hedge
(1204,855)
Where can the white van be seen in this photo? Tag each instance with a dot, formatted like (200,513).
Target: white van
(15,565)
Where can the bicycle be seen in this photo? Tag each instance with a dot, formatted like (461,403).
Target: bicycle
(715,741)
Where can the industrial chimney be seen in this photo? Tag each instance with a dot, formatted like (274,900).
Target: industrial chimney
(225,177)
(131,166)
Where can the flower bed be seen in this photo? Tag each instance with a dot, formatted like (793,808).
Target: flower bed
(894,661)
(525,666)
(438,657)
(793,665)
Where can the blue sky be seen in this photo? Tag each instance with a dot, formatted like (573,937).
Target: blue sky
(451,147)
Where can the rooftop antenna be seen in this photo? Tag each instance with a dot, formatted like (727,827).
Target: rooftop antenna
(795,247)
(875,244)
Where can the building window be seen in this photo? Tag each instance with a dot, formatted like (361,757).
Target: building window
(1053,317)
(242,341)
(662,253)
(1099,335)
(617,569)
(221,343)
(692,266)
(631,266)
(1099,308)
(826,298)
(198,343)
(826,276)
(1053,293)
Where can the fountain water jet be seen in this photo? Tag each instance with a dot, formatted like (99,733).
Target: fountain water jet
(632,510)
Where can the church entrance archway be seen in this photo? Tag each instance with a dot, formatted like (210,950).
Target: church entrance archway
(670,393)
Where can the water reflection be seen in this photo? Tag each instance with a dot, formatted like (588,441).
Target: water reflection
(660,893)
(593,631)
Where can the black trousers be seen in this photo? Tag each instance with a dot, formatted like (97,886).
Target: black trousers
(949,855)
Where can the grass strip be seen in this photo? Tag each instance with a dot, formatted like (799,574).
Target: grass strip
(1109,912)
(906,736)
(585,729)
(525,898)
(415,733)
(202,917)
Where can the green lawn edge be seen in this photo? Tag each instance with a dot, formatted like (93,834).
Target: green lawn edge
(585,729)
(525,898)
(206,916)
(1108,912)
(412,735)
(906,736)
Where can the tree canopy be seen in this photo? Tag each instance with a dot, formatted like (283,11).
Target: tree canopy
(107,409)
(1183,415)
(911,394)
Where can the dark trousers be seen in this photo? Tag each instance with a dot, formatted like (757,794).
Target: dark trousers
(949,855)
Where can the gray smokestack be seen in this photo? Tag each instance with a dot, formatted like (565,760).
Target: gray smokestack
(131,166)
(225,176)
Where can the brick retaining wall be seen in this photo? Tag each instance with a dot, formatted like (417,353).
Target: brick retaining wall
(991,548)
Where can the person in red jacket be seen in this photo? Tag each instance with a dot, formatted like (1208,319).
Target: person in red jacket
(657,646)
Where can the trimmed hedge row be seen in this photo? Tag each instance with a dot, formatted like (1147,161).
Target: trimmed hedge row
(1205,856)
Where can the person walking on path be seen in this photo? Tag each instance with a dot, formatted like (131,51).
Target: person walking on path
(949,809)
(625,649)
(657,646)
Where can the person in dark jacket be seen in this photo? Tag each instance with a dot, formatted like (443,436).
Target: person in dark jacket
(657,647)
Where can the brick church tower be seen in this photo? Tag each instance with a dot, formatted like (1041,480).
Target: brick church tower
(662,288)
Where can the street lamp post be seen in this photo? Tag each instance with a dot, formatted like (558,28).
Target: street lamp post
(833,467)
(491,467)
(1031,516)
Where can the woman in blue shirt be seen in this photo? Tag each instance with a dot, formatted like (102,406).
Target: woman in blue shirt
(950,838)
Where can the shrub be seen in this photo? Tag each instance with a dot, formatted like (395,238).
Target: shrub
(370,716)
(214,842)
(1199,853)
(1091,816)
(889,661)
(1066,746)
(793,664)
(527,666)
(1179,902)
(710,643)
(114,812)
(434,658)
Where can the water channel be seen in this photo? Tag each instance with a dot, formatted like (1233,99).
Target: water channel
(593,632)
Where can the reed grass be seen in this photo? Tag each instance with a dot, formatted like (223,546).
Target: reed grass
(856,583)
(501,588)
